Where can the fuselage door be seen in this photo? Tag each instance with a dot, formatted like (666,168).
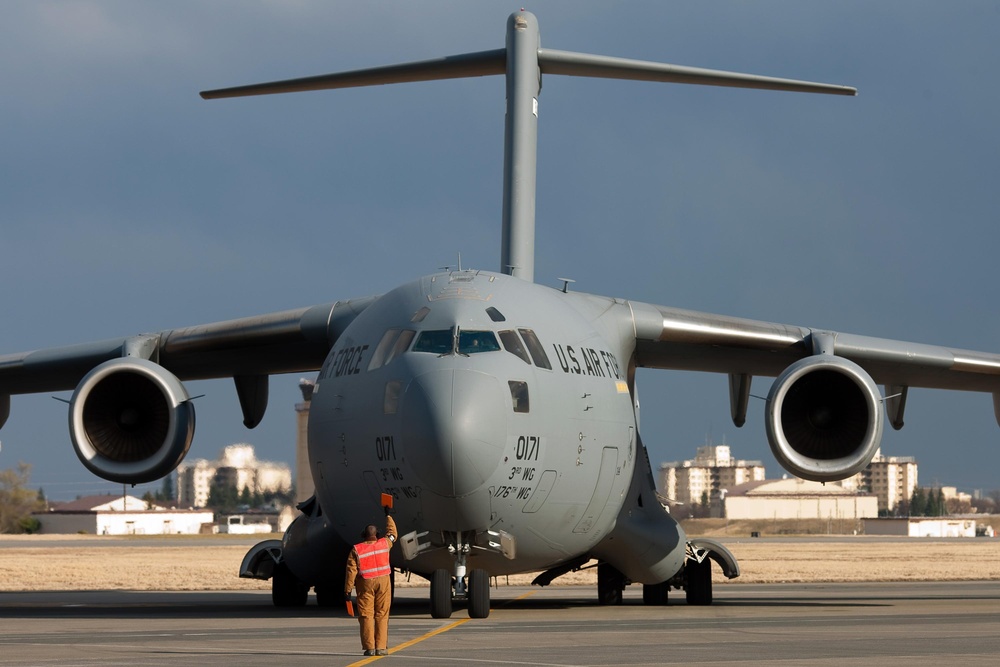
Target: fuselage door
(602,490)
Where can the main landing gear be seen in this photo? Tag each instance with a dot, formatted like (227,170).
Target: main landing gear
(286,589)
(611,587)
(695,577)
(698,581)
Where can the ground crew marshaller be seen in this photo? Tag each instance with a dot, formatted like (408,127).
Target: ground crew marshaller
(368,570)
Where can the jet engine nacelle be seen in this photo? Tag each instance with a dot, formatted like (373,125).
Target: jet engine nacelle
(824,418)
(131,421)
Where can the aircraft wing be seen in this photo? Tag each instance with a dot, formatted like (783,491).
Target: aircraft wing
(283,342)
(673,338)
(824,411)
(131,418)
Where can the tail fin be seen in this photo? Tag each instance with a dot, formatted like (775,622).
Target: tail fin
(524,61)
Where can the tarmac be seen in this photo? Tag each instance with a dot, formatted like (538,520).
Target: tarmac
(912,624)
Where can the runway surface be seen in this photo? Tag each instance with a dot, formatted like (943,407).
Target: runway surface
(910,624)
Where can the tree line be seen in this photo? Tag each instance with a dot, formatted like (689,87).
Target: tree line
(225,498)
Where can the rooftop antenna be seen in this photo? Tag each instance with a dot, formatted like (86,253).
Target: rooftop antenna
(523,61)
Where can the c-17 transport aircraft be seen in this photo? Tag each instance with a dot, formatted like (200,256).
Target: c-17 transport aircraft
(500,414)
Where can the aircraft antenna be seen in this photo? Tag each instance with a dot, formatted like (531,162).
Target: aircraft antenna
(523,61)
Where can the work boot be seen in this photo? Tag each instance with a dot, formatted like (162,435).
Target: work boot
(369,651)
(381,651)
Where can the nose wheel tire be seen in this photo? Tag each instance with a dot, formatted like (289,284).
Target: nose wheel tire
(441,594)
(479,594)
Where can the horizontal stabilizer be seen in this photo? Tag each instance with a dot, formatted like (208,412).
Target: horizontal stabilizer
(550,61)
(569,63)
(483,63)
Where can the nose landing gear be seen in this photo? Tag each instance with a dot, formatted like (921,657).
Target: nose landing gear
(457,584)
(447,587)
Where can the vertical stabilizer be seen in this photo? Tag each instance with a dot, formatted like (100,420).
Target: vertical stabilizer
(523,61)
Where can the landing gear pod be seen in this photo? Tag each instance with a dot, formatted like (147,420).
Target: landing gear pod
(131,421)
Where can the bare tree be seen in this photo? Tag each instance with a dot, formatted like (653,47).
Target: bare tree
(17,501)
(984,505)
(957,506)
(994,495)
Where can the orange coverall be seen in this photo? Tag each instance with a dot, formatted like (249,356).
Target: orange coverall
(374,595)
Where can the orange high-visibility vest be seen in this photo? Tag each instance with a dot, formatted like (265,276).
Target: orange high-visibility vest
(373,558)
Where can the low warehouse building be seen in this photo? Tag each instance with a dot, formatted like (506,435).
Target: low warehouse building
(121,515)
(795,498)
(922,527)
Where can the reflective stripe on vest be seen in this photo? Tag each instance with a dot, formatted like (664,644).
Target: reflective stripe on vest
(373,558)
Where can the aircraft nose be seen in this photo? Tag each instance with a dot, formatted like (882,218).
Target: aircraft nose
(454,429)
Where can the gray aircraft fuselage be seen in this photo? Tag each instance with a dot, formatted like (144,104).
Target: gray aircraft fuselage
(480,402)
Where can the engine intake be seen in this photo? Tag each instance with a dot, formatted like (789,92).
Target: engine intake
(824,418)
(131,421)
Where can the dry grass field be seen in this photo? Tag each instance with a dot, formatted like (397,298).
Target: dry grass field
(81,562)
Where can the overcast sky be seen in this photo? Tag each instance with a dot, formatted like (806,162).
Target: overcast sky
(129,204)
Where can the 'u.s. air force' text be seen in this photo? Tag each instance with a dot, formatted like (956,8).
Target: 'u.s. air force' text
(587,361)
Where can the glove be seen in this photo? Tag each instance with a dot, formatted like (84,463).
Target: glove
(388,511)
(347,596)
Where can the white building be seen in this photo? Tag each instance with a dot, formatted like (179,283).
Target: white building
(194,480)
(121,515)
(238,466)
(242,524)
(922,527)
(891,478)
(712,470)
(795,498)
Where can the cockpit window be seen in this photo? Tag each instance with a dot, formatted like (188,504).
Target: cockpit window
(420,314)
(402,343)
(442,341)
(378,356)
(535,349)
(471,342)
(518,395)
(512,343)
(437,341)
(390,400)
(394,342)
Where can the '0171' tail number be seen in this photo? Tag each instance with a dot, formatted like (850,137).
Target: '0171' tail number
(527,447)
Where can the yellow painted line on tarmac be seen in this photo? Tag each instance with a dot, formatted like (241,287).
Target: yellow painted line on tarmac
(428,635)
(519,597)
(417,640)
(432,633)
